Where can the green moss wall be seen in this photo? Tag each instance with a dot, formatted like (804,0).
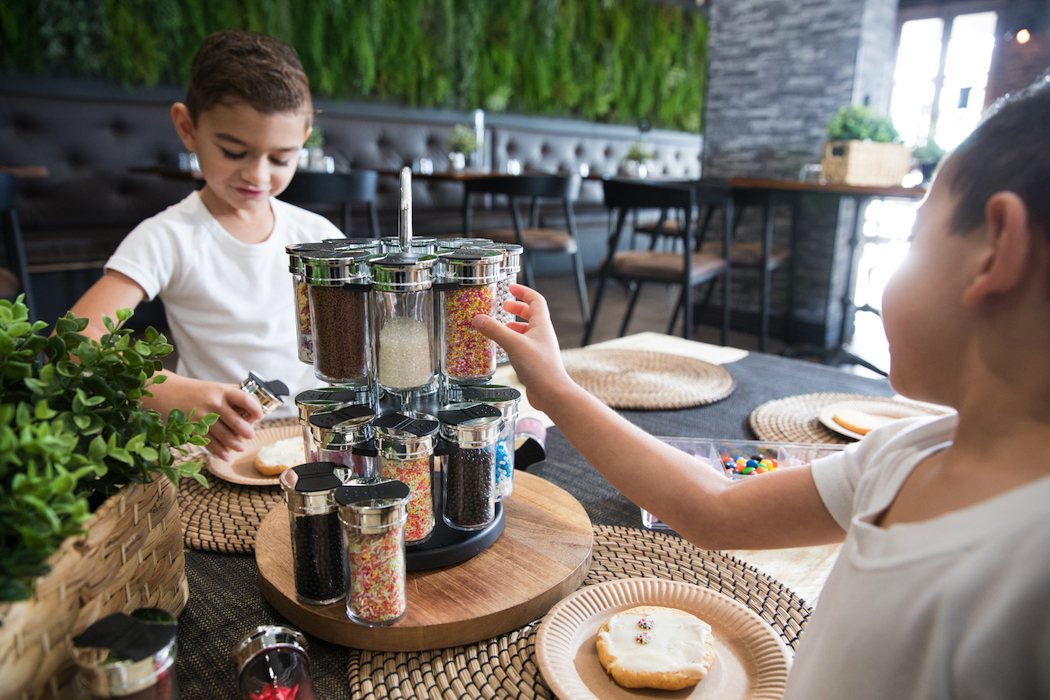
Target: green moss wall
(613,61)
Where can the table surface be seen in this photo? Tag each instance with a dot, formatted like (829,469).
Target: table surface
(25,170)
(226,603)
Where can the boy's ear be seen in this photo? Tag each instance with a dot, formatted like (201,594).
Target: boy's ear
(1006,250)
(184,126)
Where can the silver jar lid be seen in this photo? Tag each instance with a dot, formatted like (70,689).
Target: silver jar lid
(371,245)
(341,428)
(390,244)
(505,398)
(265,638)
(268,393)
(402,272)
(373,507)
(309,489)
(471,425)
(472,265)
(295,251)
(334,268)
(326,398)
(447,244)
(406,435)
(511,256)
(94,647)
(423,246)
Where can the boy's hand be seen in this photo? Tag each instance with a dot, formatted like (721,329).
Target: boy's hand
(532,345)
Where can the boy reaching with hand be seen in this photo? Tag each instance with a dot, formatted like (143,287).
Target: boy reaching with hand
(940,590)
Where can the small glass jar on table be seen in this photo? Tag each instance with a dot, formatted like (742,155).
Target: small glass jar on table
(506,399)
(343,436)
(127,656)
(327,398)
(272,664)
(468,288)
(373,517)
(402,311)
(406,442)
(469,470)
(318,557)
(303,325)
(268,393)
(338,289)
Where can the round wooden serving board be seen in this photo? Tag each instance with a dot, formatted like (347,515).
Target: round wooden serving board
(542,556)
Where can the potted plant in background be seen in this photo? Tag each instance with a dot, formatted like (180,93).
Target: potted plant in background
(863,149)
(460,143)
(312,155)
(88,513)
(928,155)
(636,162)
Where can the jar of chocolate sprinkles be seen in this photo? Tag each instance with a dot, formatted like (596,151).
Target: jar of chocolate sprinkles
(338,287)
(469,470)
(318,555)
(343,436)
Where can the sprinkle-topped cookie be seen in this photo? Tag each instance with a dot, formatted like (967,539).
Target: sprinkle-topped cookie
(646,623)
(643,638)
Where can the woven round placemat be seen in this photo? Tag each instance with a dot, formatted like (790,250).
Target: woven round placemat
(224,517)
(505,667)
(646,379)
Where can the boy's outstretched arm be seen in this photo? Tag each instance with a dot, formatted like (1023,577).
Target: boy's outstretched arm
(236,409)
(781,509)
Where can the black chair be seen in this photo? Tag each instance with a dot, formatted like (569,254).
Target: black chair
(358,187)
(17,270)
(533,238)
(761,256)
(688,267)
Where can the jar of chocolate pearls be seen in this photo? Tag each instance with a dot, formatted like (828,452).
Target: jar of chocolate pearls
(304,329)
(469,470)
(343,436)
(318,557)
(338,288)
(506,399)
(405,442)
(373,517)
(510,268)
(468,289)
(326,398)
(272,664)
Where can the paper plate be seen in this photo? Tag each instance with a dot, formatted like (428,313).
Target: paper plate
(751,661)
(875,407)
(240,469)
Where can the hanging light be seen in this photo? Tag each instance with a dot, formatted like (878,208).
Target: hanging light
(1023,36)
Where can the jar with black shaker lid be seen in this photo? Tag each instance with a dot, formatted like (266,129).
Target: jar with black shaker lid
(127,656)
(272,664)
(318,557)
(326,398)
(304,328)
(338,288)
(406,442)
(469,470)
(268,393)
(509,268)
(506,399)
(468,288)
(343,436)
(373,517)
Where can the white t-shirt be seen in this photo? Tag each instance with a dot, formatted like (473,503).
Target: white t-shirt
(230,305)
(954,607)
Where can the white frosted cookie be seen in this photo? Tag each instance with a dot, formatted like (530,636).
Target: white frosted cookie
(283,454)
(654,647)
(860,422)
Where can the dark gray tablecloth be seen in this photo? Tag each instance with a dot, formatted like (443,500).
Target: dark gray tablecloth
(225,601)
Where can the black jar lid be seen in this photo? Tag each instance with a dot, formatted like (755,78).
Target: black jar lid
(123,654)
(371,505)
(471,424)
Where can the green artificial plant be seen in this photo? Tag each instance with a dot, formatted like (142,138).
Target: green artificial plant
(73,431)
(638,153)
(859,123)
(929,153)
(461,140)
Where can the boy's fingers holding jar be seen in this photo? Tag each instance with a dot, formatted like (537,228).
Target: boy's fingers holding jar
(247,408)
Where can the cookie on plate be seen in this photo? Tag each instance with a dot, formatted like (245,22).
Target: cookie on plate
(860,422)
(283,454)
(656,647)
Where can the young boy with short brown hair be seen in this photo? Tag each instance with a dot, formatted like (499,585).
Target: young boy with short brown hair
(941,587)
(217,259)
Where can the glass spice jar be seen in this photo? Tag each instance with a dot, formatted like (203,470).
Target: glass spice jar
(127,656)
(469,470)
(338,289)
(343,436)
(267,393)
(318,558)
(468,289)
(373,517)
(405,442)
(304,328)
(326,398)
(509,269)
(402,309)
(506,399)
(272,664)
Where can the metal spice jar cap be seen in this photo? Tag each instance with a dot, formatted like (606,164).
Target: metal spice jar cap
(341,428)
(309,488)
(295,251)
(402,272)
(372,245)
(503,397)
(511,256)
(472,265)
(335,268)
(448,244)
(268,393)
(263,639)
(122,654)
(471,425)
(326,398)
(369,505)
(407,434)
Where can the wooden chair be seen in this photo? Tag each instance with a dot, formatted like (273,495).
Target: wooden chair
(686,267)
(15,276)
(358,187)
(761,256)
(532,238)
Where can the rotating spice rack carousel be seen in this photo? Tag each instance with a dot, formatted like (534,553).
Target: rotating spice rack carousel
(412,445)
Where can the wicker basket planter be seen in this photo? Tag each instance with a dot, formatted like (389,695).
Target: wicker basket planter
(865,163)
(130,558)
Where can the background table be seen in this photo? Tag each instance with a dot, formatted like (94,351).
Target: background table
(225,601)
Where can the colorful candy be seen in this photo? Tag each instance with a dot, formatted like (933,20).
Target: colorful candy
(737,466)
(643,638)
(468,354)
(415,473)
(646,623)
(302,317)
(377,576)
